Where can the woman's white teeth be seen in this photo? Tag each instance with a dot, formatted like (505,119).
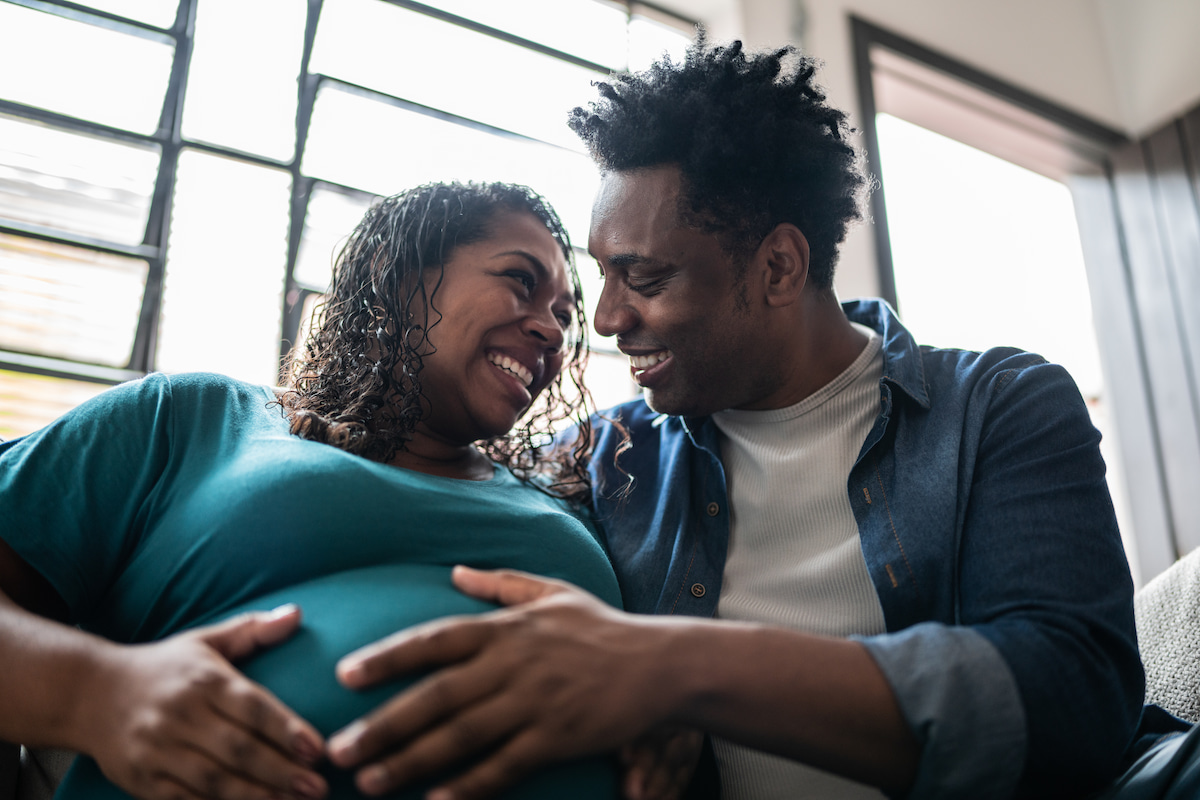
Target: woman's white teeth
(643,362)
(514,367)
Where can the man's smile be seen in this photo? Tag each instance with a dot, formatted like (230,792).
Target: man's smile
(640,362)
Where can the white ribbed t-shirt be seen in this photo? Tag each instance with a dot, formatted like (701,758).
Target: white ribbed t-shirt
(794,554)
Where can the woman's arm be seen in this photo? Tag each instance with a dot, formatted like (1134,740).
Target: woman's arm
(168,719)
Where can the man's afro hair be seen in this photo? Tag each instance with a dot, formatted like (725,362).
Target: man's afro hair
(752,136)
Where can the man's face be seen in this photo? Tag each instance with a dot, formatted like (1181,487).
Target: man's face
(672,296)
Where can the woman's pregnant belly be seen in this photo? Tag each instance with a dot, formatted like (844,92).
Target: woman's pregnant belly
(343,612)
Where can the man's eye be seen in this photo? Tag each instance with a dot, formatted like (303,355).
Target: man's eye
(646,288)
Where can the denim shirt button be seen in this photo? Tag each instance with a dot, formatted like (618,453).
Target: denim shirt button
(713,509)
(698,588)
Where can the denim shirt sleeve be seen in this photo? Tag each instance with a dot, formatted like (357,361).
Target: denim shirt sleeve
(955,692)
(990,535)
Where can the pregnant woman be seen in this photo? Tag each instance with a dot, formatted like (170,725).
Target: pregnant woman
(177,523)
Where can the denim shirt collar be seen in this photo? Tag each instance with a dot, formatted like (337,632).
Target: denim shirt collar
(902,364)
(902,368)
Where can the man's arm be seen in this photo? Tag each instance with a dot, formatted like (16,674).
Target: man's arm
(559,674)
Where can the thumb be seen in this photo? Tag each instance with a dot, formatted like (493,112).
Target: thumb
(240,636)
(505,587)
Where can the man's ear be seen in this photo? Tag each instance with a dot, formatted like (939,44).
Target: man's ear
(784,253)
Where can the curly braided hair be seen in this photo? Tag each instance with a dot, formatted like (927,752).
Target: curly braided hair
(356,383)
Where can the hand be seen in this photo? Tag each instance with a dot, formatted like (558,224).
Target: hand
(558,676)
(659,765)
(175,719)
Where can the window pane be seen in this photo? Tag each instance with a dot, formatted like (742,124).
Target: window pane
(160,13)
(443,66)
(82,70)
(29,402)
(307,312)
(85,185)
(590,29)
(649,38)
(332,215)
(609,380)
(592,284)
(972,199)
(383,149)
(225,269)
(242,81)
(68,302)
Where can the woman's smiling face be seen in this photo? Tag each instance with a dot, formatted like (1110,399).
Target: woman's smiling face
(506,306)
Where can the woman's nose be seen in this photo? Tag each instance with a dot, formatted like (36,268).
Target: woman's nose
(547,327)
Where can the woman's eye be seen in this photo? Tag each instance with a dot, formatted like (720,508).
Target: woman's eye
(565,320)
(526,279)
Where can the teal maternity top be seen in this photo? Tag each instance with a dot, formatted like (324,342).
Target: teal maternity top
(169,502)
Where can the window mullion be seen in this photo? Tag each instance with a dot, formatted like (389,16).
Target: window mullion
(158,224)
(293,297)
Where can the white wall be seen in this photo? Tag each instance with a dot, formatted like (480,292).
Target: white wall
(1129,64)
(1155,58)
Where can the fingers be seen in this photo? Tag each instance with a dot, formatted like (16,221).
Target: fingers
(175,719)
(241,636)
(635,763)
(421,647)
(196,774)
(484,727)
(243,742)
(438,697)
(519,757)
(277,729)
(504,587)
(659,766)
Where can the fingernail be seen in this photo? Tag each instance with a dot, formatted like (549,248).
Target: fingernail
(440,794)
(308,750)
(350,670)
(373,778)
(345,742)
(634,785)
(310,787)
(279,612)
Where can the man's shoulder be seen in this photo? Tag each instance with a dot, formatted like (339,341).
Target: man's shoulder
(952,367)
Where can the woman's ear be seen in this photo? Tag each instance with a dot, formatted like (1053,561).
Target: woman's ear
(784,252)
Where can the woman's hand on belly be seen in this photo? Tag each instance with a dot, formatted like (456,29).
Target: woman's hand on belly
(176,719)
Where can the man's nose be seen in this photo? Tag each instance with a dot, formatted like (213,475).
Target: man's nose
(612,315)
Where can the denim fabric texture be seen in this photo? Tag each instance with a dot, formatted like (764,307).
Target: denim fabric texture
(990,537)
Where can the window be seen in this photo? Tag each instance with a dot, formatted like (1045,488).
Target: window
(1031,161)
(176,177)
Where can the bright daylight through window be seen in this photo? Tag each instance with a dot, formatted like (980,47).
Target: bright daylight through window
(175,178)
(982,252)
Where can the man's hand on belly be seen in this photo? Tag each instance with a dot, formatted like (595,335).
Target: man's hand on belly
(557,675)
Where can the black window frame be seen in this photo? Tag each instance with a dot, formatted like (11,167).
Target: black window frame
(168,137)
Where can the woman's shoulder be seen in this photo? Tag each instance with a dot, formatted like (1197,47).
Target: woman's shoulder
(210,384)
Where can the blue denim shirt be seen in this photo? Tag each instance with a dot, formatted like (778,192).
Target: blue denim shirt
(989,534)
